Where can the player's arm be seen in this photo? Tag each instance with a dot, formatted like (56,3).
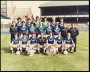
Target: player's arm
(62,42)
(20,42)
(47,41)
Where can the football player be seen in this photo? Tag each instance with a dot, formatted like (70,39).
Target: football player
(23,28)
(64,31)
(41,42)
(45,23)
(74,33)
(23,43)
(69,44)
(19,25)
(60,42)
(32,42)
(51,47)
(37,22)
(40,29)
(13,30)
(56,30)
(50,39)
(28,24)
(48,29)
(61,24)
(14,46)
(32,29)
(53,22)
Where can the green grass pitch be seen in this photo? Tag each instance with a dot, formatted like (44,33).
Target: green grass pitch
(78,61)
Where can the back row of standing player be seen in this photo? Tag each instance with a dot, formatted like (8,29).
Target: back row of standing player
(28,27)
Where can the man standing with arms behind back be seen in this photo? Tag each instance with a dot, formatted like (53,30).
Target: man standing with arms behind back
(45,23)
(61,24)
(64,31)
(53,22)
(37,21)
(74,33)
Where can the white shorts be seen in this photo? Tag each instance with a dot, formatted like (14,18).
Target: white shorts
(68,45)
(30,35)
(55,36)
(14,45)
(32,45)
(21,35)
(24,45)
(47,36)
(59,45)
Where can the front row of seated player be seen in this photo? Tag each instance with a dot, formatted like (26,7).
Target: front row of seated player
(47,45)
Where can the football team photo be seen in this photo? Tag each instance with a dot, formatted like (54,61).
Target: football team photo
(44,35)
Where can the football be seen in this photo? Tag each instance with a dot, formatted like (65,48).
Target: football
(18,53)
(65,52)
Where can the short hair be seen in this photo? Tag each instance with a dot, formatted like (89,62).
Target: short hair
(18,18)
(24,34)
(52,32)
(28,19)
(68,33)
(34,33)
(13,21)
(37,17)
(33,23)
(45,17)
(26,16)
(23,21)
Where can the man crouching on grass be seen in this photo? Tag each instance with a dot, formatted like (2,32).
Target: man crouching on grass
(60,42)
(23,43)
(69,44)
(51,47)
(32,42)
(14,46)
(41,43)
